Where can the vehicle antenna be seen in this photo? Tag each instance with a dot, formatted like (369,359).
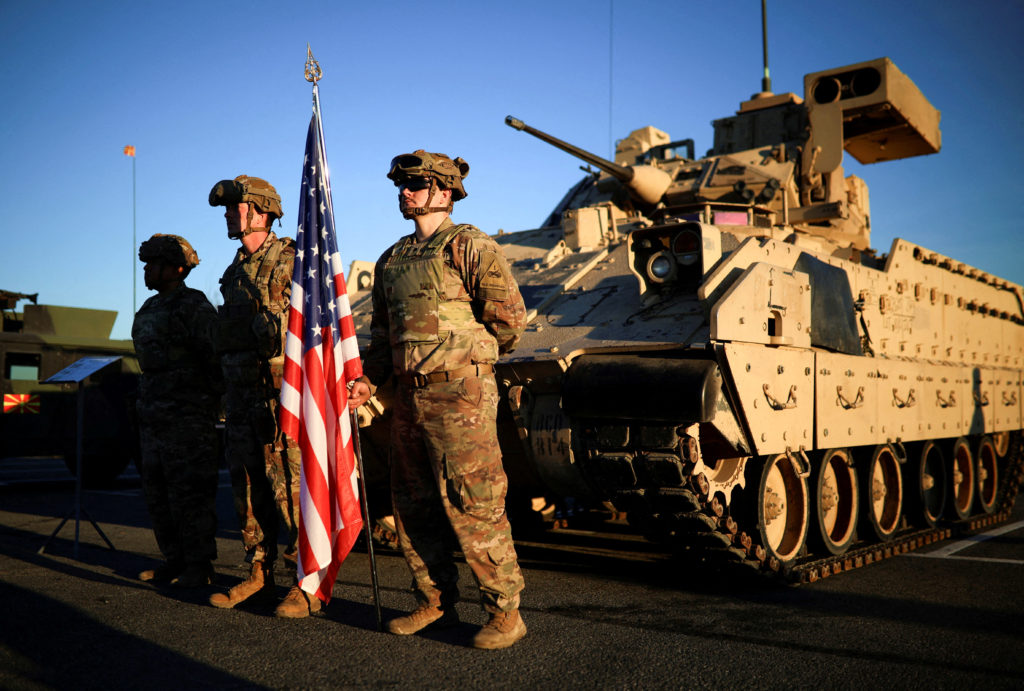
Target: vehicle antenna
(766,80)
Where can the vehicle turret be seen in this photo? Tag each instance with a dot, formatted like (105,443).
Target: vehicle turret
(776,163)
(645,182)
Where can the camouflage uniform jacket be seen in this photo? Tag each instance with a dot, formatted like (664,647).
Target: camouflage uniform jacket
(180,371)
(254,317)
(441,304)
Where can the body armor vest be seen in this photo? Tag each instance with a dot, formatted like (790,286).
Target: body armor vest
(432,325)
(180,375)
(250,319)
(161,334)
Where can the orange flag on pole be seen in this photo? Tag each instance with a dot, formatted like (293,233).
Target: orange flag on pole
(129,150)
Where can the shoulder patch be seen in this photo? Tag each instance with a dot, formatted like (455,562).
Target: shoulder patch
(493,281)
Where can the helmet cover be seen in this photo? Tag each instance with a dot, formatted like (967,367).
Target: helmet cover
(244,188)
(172,250)
(448,173)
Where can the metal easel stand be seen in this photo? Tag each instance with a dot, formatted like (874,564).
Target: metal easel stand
(78,509)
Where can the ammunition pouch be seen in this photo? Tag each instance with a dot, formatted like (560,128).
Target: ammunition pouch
(164,359)
(266,330)
(150,361)
(233,333)
(240,329)
(265,423)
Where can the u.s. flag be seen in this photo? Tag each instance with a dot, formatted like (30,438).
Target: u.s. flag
(321,357)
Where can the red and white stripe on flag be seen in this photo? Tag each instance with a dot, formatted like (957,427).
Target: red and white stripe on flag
(321,358)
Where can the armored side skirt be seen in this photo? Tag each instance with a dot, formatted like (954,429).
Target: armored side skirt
(641,388)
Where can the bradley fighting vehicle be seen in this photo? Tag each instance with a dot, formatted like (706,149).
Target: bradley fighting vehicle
(40,419)
(716,350)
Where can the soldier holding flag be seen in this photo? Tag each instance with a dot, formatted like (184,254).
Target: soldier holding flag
(445,306)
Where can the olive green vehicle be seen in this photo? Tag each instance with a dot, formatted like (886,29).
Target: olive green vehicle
(40,419)
(715,349)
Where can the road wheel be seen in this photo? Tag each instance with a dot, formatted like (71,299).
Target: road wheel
(782,508)
(987,475)
(1001,441)
(962,478)
(883,493)
(925,480)
(836,501)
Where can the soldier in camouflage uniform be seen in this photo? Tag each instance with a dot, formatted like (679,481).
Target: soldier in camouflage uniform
(179,396)
(265,465)
(444,306)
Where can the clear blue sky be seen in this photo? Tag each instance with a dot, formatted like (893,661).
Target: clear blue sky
(207,91)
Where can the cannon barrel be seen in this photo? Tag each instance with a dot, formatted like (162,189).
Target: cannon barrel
(614,169)
(646,183)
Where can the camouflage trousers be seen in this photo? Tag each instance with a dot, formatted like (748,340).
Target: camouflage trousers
(265,478)
(179,481)
(446,477)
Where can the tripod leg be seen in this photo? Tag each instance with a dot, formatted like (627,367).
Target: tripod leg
(97,527)
(54,533)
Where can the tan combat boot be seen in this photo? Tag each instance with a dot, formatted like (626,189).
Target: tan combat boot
(504,629)
(260,581)
(195,576)
(422,617)
(298,604)
(163,574)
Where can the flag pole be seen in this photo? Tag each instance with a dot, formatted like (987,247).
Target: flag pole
(129,150)
(314,74)
(366,520)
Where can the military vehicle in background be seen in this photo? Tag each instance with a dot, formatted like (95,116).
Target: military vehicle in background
(715,349)
(40,419)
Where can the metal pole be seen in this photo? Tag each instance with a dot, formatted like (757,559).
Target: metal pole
(766,81)
(354,420)
(611,74)
(80,426)
(134,270)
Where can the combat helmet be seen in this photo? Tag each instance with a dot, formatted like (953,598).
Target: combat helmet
(259,193)
(173,250)
(439,169)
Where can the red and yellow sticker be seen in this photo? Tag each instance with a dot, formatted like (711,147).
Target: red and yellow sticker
(21,403)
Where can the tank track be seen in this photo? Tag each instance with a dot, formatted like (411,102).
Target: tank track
(699,525)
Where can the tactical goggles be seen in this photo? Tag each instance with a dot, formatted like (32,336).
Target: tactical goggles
(414,184)
(406,161)
(226,192)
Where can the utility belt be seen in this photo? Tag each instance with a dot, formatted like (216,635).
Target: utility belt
(418,381)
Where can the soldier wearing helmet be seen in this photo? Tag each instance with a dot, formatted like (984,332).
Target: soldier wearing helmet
(265,465)
(445,306)
(178,402)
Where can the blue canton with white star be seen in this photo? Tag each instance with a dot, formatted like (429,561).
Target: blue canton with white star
(316,245)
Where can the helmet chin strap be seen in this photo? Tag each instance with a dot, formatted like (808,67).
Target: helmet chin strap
(408,213)
(248,223)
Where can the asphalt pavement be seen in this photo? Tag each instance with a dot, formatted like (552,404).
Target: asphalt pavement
(602,612)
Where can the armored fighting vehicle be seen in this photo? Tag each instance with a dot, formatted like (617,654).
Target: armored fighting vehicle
(40,419)
(715,349)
